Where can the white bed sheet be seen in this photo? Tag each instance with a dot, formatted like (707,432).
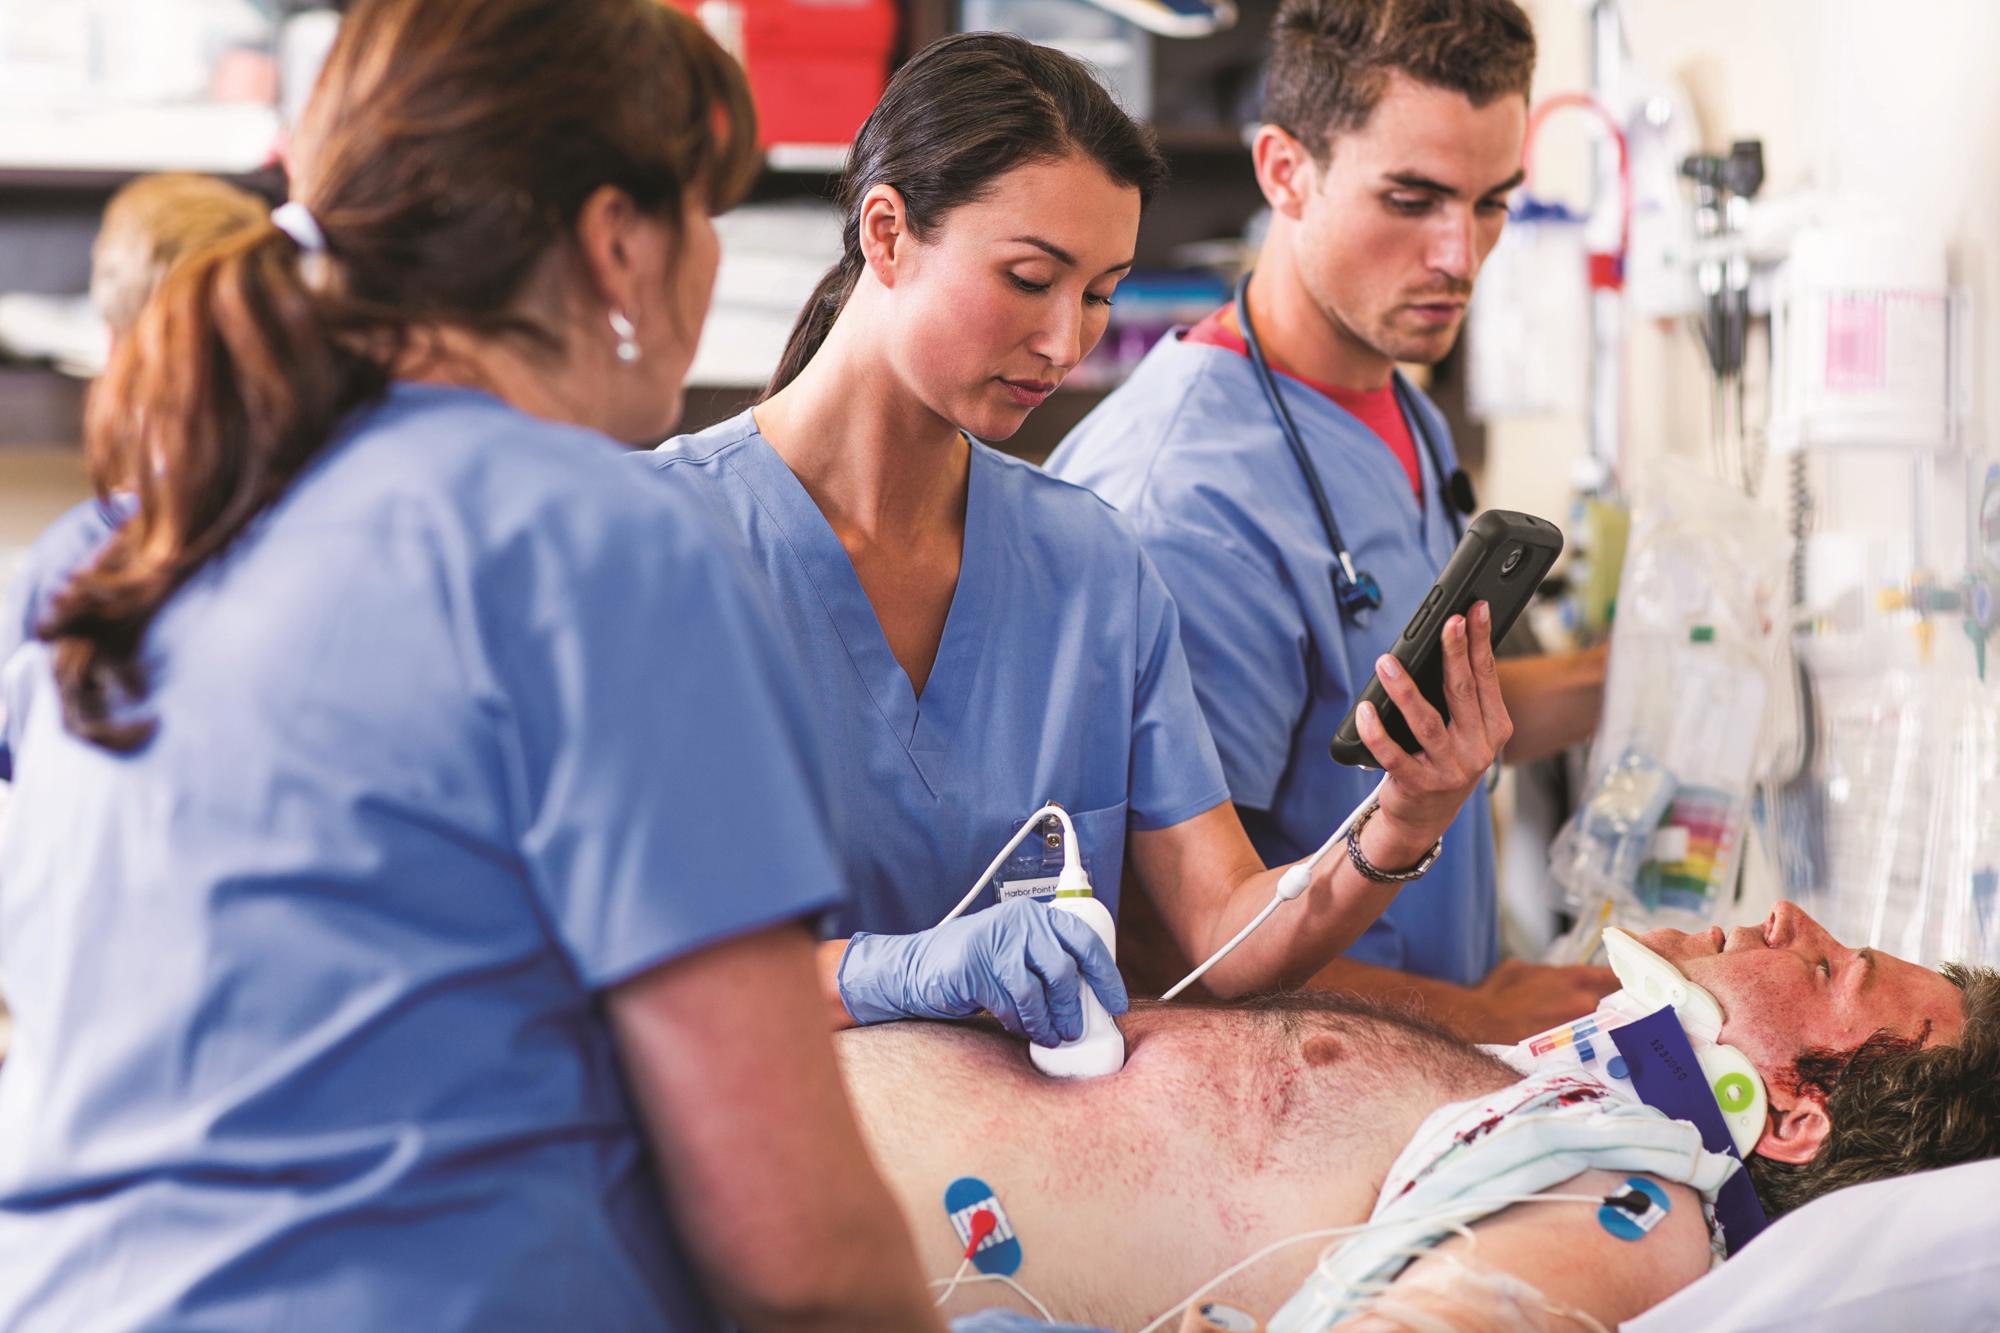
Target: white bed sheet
(1919,1252)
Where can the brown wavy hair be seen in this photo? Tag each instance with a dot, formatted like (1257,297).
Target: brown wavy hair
(960,114)
(1896,1108)
(1331,59)
(447,151)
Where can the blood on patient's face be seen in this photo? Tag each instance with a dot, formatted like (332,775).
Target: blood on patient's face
(1786,986)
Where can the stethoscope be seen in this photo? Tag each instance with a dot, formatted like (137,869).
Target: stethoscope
(1355,590)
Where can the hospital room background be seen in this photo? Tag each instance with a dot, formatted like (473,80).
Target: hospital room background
(1741,341)
(1846,431)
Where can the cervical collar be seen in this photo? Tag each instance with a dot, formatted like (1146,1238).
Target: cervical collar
(1650,982)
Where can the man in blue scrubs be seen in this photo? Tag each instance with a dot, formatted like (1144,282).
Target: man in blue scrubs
(1394,134)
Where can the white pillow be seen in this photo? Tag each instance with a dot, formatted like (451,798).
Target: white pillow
(1915,1252)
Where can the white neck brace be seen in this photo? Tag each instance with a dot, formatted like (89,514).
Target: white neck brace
(1649,982)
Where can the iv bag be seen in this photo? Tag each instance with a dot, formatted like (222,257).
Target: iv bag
(1692,710)
(1528,328)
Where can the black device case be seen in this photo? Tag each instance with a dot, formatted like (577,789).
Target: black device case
(1471,575)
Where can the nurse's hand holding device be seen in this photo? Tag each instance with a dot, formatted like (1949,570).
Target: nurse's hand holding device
(1501,561)
(1023,961)
(1100,1048)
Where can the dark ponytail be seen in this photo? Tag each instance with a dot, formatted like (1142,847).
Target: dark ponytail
(447,150)
(961,113)
(816,319)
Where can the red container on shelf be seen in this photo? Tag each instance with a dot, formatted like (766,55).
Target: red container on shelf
(816,67)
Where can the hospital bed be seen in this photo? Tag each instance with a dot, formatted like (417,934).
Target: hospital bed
(1918,1252)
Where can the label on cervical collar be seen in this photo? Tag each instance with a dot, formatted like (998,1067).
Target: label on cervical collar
(1000,1251)
(1668,1077)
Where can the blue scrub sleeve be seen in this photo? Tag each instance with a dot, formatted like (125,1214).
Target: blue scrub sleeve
(1175,773)
(14,621)
(667,784)
(62,548)
(1246,645)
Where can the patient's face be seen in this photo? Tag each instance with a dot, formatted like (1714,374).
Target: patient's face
(1786,986)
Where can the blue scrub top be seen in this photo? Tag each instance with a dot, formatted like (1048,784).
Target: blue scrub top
(66,544)
(463,731)
(1060,677)
(1188,449)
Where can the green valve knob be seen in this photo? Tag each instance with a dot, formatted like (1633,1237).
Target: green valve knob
(1733,1093)
(1702,634)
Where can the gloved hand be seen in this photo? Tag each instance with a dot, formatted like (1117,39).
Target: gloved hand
(1019,961)
(1011,1321)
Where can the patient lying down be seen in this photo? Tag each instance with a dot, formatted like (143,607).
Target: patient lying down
(1234,1127)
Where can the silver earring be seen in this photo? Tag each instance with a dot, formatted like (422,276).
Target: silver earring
(628,341)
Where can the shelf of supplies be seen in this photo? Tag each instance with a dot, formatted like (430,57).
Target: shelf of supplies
(112,140)
(808,158)
(830,159)
(268,181)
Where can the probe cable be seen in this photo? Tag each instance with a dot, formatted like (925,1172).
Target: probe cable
(1291,884)
(1070,853)
(1017,1288)
(978,1227)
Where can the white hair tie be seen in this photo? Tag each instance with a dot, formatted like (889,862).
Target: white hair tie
(296,221)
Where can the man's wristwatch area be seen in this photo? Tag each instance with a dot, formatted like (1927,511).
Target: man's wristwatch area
(1370,871)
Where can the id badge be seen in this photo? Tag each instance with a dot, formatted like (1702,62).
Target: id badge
(1032,869)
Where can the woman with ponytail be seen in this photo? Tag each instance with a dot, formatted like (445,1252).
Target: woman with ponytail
(982,637)
(402,900)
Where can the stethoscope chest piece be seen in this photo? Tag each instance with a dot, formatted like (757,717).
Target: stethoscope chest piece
(1358,596)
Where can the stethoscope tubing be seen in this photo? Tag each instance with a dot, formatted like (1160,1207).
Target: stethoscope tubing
(1454,506)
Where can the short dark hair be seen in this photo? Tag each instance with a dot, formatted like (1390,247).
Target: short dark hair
(1897,1108)
(1331,59)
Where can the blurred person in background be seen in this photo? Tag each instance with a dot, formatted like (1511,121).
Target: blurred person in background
(149,226)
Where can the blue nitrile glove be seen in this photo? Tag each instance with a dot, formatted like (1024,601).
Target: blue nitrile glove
(1012,1321)
(1019,962)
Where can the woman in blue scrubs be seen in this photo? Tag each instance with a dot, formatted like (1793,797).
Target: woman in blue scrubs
(402,900)
(983,638)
